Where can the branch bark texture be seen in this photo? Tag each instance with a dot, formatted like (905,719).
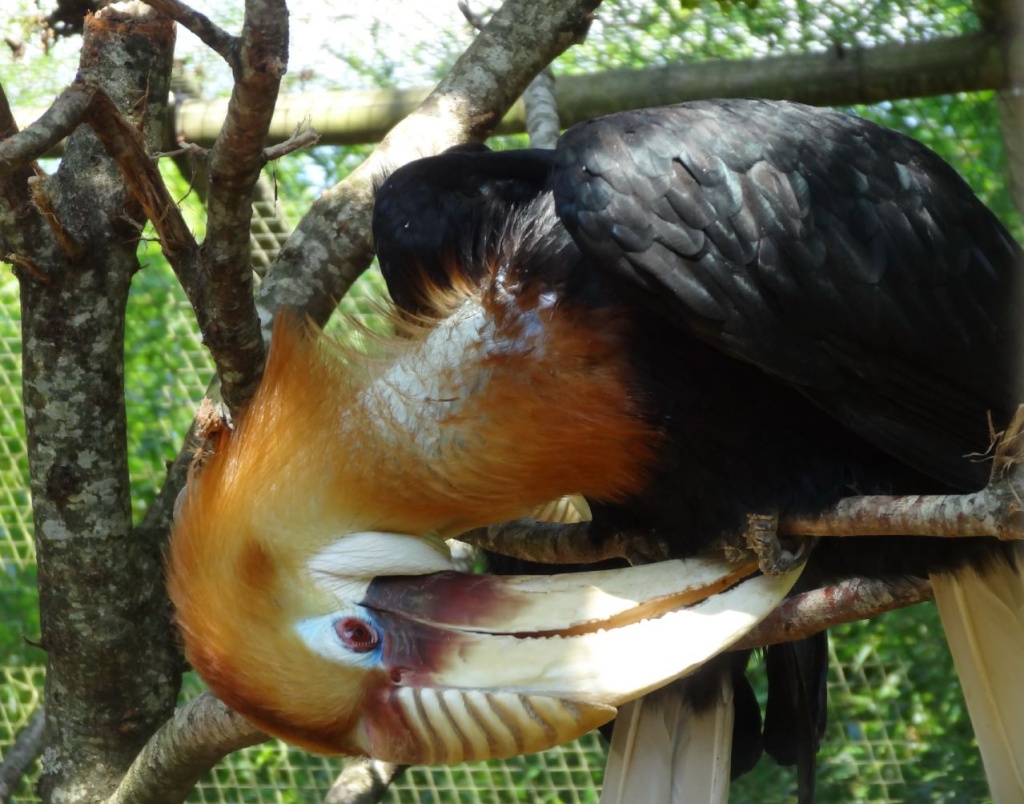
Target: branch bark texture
(227,312)
(186,747)
(113,669)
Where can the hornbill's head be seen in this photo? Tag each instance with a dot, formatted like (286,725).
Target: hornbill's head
(316,596)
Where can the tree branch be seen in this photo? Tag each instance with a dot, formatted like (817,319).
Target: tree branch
(113,668)
(363,781)
(26,748)
(227,314)
(539,104)
(210,34)
(24,236)
(304,137)
(854,599)
(547,542)
(542,122)
(186,747)
(21,149)
(123,142)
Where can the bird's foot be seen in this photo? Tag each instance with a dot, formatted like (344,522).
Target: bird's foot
(775,556)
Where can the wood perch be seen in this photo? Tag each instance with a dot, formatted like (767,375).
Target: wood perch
(854,599)
(997,511)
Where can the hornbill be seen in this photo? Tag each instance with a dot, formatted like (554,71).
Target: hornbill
(690,315)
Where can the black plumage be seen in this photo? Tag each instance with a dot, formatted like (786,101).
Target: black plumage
(816,307)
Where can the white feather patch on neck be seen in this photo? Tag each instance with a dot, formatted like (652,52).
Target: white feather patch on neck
(423,385)
(432,383)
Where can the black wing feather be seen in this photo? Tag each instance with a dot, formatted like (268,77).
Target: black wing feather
(843,257)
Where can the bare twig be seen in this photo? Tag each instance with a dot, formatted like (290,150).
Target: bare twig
(184,149)
(472,17)
(211,35)
(186,747)
(304,137)
(27,746)
(363,781)
(820,609)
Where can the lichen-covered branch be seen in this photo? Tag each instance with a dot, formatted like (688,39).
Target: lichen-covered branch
(185,747)
(24,235)
(539,103)
(542,122)
(113,669)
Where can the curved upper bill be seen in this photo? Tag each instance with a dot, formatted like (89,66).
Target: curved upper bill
(487,666)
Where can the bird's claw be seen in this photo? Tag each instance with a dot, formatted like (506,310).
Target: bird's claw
(774,557)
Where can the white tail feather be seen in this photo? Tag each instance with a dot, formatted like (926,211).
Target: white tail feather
(983,616)
(664,753)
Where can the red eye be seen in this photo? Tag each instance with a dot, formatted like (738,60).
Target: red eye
(357,635)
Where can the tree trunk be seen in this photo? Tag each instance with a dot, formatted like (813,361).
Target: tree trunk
(113,669)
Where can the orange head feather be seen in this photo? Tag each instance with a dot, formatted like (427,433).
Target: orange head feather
(331,446)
